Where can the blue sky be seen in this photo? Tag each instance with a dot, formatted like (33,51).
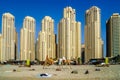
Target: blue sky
(54,8)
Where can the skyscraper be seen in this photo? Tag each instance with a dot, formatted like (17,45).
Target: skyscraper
(9,37)
(69,35)
(0,46)
(27,39)
(93,41)
(46,39)
(113,35)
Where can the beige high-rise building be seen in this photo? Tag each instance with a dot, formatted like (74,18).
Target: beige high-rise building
(69,35)
(16,45)
(27,39)
(93,41)
(0,46)
(9,37)
(46,40)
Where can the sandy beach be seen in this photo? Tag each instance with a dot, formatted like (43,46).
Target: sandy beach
(33,73)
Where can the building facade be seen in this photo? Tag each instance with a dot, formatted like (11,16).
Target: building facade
(83,53)
(69,35)
(27,39)
(93,41)
(46,40)
(9,38)
(113,35)
(0,45)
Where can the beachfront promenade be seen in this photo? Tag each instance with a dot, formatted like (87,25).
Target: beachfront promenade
(32,73)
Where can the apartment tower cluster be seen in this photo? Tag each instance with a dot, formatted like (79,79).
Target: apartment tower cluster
(67,45)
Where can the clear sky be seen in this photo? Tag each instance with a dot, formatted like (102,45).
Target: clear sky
(54,8)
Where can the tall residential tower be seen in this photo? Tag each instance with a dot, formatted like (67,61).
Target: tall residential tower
(93,41)
(46,40)
(0,46)
(69,35)
(9,38)
(27,39)
(113,35)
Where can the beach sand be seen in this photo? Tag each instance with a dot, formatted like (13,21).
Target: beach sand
(26,73)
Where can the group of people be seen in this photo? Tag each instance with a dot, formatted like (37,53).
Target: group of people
(62,61)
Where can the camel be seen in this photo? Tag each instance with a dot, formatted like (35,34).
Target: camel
(61,61)
(48,61)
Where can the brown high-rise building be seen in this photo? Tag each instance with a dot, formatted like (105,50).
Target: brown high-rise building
(9,38)
(27,39)
(93,41)
(69,35)
(46,40)
(113,35)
